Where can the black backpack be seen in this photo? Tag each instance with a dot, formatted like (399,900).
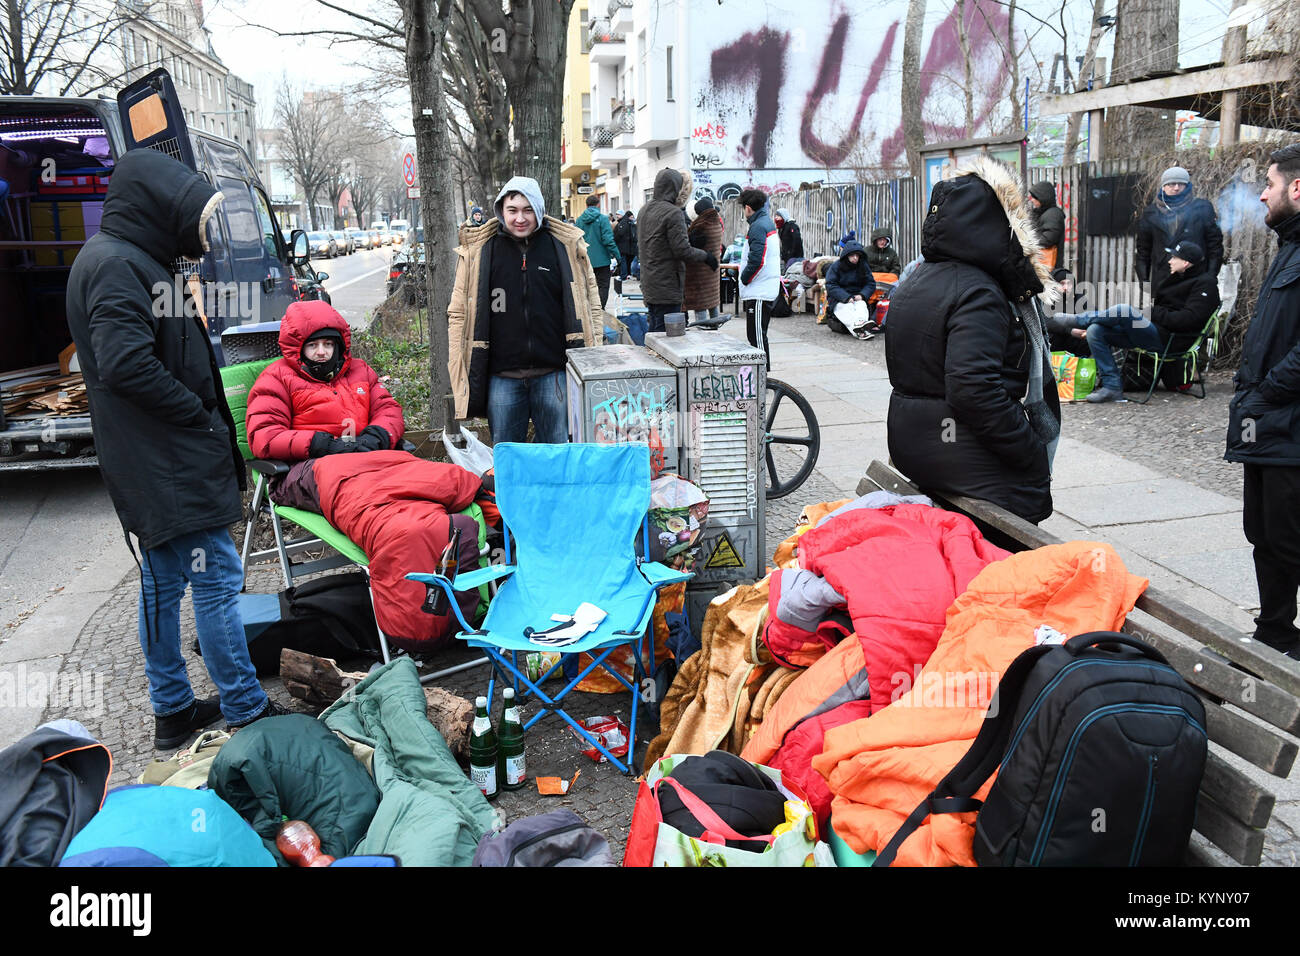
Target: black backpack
(1099,747)
(330,616)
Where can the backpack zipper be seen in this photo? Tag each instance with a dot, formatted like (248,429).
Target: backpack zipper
(1058,785)
(537,839)
(1060,675)
(1145,817)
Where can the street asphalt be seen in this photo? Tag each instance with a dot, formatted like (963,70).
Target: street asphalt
(1167,520)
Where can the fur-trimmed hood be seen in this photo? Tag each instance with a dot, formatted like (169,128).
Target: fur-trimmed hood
(979,215)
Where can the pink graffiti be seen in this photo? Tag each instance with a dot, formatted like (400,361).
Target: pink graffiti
(828,78)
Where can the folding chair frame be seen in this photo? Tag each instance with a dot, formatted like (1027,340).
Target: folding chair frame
(1208,335)
(510,671)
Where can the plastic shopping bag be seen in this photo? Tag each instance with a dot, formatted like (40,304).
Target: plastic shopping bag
(855,315)
(474,456)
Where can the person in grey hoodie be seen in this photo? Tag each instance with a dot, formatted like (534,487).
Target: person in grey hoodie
(524,293)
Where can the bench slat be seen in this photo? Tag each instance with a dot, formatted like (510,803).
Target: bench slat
(1249,741)
(1244,844)
(1220,679)
(1235,793)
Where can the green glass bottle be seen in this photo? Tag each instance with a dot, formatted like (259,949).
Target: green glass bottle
(512,765)
(483,752)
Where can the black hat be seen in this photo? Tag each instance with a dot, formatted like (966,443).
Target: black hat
(1188,251)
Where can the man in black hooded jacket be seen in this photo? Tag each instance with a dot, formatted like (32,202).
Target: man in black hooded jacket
(1264,416)
(1048,219)
(165,436)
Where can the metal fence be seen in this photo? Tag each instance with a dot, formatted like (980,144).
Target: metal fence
(825,215)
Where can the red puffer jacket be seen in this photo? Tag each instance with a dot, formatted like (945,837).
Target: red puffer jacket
(286,406)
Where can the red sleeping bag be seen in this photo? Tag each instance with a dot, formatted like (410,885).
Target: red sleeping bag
(396,508)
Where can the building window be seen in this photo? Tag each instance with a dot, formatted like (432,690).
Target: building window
(586,117)
(669,69)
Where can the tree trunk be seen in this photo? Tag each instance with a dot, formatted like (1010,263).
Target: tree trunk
(426,27)
(537,96)
(1146,40)
(1085,75)
(967,86)
(913,130)
(1234,46)
(1013,58)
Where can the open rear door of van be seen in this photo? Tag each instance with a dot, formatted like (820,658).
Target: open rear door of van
(152,117)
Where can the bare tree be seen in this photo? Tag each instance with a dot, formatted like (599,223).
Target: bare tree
(1085,76)
(1146,41)
(480,123)
(528,40)
(311,143)
(913,130)
(67,47)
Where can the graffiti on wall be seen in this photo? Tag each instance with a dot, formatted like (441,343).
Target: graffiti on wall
(643,412)
(772,115)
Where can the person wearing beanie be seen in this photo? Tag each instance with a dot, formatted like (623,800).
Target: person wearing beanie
(319,399)
(1048,220)
(1184,303)
(791,240)
(664,247)
(703,294)
(1264,415)
(525,292)
(165,437)
(1177,214)
(601,248)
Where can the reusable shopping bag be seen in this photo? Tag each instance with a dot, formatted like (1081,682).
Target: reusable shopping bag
(652,842)
(1075,377)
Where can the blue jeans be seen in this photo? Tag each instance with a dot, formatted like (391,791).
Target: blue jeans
(655,315)
(209,562)
(512,401)
(1119,326)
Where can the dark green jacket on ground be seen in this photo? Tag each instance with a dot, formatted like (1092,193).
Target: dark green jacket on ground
(599,235)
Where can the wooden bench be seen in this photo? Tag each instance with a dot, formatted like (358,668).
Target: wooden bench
(1248,689)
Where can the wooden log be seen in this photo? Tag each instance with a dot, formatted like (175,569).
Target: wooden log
(452,716)
(316,680)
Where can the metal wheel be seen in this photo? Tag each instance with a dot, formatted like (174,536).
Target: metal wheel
(801,442)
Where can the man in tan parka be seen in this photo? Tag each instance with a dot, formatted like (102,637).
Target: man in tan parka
(525,293)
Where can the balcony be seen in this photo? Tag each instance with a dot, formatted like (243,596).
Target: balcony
(609,145)
(604,45)
(620,15)
(623,125)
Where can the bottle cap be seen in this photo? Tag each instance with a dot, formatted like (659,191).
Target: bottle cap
(508,693)
(480,701)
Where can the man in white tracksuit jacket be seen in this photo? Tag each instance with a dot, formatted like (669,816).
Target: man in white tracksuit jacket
(760,276)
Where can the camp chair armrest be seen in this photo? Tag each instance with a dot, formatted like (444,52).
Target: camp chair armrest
(659,575)
(446,585)
(467,580)
(269,467)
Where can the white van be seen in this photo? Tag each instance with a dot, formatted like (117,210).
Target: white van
(399,229)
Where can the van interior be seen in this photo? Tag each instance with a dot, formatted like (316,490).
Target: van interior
(55,167)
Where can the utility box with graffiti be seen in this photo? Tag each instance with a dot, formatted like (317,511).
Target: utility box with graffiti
(721,385)
(621,393)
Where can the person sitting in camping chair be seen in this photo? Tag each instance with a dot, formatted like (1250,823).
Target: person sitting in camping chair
(1184,303)
(319,399)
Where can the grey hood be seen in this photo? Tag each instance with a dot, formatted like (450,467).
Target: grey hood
(530,189)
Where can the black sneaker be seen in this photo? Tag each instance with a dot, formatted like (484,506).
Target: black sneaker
(272,709)
(174,729)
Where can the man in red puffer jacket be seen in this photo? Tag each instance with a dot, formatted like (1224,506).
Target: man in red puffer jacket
(318,399)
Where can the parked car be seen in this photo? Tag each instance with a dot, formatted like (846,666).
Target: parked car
(66,176)
(310,282)
(322,244)
(360,238)
(376,241)
(345,243)
(408,263)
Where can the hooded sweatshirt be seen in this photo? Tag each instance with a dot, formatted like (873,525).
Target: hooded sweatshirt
(883,260)
(1048,220)
(150,371)
(599,235)
(844,280)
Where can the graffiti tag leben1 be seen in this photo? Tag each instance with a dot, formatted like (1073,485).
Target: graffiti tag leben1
(725,386)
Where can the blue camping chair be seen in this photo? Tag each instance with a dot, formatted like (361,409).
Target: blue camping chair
(574,511)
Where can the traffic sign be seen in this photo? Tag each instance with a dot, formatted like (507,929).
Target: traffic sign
(412,192)
(408,169)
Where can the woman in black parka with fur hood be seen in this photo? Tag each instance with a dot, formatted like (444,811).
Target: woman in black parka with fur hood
(962,354)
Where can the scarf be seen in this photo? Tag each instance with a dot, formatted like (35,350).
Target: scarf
(1045,425)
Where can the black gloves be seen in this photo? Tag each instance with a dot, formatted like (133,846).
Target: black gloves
(711,261)
(323,443)
(374,438)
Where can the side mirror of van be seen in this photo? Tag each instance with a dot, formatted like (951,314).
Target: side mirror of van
(298,242)
(322,276)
